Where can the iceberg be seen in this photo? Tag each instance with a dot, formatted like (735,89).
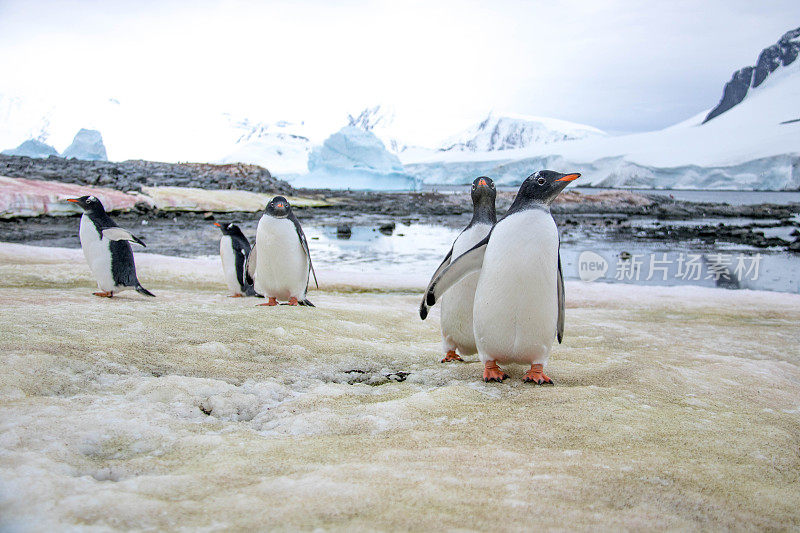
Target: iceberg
(32,148)
(87,145)
(353,158)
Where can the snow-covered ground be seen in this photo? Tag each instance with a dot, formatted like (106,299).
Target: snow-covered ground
(674,408)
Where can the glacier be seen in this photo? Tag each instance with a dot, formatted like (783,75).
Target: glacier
(87,145)
(353,158)
(32,148)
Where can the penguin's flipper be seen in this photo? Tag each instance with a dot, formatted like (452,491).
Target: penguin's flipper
(306,302)
(250,266)
(561,306)
(302,236)
(444,264)
(118,234)
(142,290)
(465,264)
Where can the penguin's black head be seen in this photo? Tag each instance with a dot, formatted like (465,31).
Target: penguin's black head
(279,207)
(88,203)
(228,229)
(483,189)
(545,185)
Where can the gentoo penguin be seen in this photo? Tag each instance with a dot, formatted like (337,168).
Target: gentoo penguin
(234,249)
(279,266)
(456,319)
(519,299)
(107,250)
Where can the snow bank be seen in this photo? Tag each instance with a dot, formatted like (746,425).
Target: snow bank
(674,408)
(21,197)
(221,200)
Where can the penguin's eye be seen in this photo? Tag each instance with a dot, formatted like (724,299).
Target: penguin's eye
(540,181)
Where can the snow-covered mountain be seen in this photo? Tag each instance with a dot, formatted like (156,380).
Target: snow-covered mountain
(753,145)
(510,132)
(781,54)
(282,147)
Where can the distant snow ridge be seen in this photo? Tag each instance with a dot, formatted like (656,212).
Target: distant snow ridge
(379,120)
(353,158)
(87,145)
(32,148)
(282,147)
(509,132)
(783,53)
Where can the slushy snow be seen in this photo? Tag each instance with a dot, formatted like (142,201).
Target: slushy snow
(194,411)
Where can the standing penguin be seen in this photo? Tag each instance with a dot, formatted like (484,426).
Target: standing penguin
(234,249)
(456,319)
(519,299)
(279,266)
(107,250)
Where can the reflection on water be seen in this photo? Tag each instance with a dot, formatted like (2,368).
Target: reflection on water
(416,250)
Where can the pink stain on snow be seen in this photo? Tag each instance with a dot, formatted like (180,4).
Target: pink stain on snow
(24,197)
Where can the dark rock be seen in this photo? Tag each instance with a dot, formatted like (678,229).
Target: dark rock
(344,232)
(135,174)
(387,228)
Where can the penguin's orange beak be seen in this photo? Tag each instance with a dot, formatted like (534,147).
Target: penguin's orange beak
(569,177)
(73,200)
(482,182)
(279,205)
(217,224)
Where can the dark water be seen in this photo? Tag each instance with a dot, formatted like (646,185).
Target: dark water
(416,250)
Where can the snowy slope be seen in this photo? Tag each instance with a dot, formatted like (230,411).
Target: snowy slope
(509,132)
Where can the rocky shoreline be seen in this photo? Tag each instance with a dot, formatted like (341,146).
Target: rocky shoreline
(622,215)
(134,174)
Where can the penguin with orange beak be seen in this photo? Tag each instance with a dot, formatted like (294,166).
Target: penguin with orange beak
(458,338)
(233,250)
(107,249)
(519,298)
(279,265)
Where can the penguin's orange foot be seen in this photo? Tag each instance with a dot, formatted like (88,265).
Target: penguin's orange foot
(451,356)
(292,301)
(492,372)
(104,294)
(536,375)
(237,295)
(270,302)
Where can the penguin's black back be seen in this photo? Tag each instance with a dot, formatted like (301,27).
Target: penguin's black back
(123,268)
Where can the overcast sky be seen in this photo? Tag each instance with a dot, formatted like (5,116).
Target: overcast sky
(617,65)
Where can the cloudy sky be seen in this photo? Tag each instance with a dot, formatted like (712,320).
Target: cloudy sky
(619,65)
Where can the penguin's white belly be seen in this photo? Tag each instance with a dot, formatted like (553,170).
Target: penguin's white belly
(97,252)
(229,264)
(281,262)
(516,301)
(457,303)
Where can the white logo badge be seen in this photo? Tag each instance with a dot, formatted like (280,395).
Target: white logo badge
(591,266)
